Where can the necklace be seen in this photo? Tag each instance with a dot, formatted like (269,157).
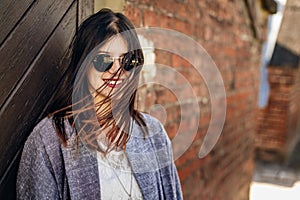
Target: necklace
(116,175)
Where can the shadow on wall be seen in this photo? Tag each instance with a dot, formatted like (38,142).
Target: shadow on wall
(284,57)
(279,122)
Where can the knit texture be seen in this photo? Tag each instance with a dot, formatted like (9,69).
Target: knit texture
(50,171)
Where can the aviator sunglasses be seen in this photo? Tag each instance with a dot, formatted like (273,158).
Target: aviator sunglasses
(103,62)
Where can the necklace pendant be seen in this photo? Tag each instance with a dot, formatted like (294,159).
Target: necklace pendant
(129,198)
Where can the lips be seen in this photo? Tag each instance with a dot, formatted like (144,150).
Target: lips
(113,83)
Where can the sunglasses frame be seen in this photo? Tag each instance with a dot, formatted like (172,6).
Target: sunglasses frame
(127,61)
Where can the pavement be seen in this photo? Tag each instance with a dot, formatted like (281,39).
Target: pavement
(276,182)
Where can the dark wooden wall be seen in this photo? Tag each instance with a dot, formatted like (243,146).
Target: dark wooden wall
(34,35)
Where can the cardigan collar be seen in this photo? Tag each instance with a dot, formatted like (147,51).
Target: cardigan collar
(82,172)
(83,177)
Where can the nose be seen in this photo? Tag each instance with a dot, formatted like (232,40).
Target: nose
(116,65)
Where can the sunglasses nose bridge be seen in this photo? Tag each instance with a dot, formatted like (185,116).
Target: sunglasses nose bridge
(116,64)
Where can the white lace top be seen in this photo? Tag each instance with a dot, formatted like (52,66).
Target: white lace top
(116,178)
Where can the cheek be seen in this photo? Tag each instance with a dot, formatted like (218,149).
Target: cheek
(94,78)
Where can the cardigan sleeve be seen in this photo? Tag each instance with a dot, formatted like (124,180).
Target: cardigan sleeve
(36,179)
(176,181)
(170,177)
(151,159)
(164,154)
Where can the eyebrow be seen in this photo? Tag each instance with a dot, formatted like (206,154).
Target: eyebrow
(109,53)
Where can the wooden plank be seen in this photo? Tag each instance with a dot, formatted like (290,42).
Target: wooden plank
(23,44)
(11,12)
(8,182)
(34,90)
(85,9)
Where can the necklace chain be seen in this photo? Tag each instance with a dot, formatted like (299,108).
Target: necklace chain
(116,175)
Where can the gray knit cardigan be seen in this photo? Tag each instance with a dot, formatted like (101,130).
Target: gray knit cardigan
(48,170)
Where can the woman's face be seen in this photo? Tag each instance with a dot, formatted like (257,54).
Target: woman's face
(113,50)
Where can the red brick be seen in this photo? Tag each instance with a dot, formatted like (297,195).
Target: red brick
(227,168)
(165,96)
(151,18)
(176,61)
(172,129)
(134,14)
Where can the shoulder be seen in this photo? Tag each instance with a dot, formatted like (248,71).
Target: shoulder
(156,130)
(41,163)
(153,124)
(42,147)
(154,149)
(45,125)
(43,137)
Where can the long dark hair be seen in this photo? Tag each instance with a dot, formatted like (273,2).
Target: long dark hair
(79,109)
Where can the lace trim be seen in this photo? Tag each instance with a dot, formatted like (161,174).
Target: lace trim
(110,186)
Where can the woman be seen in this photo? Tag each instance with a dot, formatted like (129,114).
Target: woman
(95,144)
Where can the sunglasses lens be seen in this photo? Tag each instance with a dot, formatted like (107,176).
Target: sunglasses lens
(102,62)
(130,61)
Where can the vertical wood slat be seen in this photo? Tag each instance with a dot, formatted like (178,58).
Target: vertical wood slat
(8,181)
(30,70)
(26,40)
(85,8)
(10,13)
(32,95)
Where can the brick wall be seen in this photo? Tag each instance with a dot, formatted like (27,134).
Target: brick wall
(224,29)
(276,135)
